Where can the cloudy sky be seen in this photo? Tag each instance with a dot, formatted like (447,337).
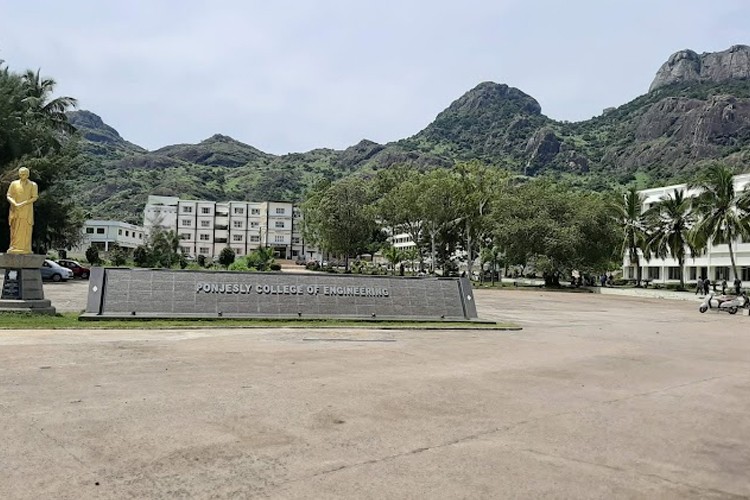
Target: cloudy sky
(293,75)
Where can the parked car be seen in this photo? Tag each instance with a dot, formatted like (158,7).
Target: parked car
(78,270)
(51,270)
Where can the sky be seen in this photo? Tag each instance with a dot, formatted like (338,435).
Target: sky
(294,75)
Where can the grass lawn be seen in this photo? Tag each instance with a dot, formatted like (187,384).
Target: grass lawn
(69,321)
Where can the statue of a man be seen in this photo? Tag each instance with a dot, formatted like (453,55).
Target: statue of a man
(22,194)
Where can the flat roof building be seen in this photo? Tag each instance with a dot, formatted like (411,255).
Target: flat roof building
(207,227)
(715,262)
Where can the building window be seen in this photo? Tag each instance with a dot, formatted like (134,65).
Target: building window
(279,224)
(205,210)
(236,237)
(255,211)
(255,238)
(186,222)
(654,273)
(184,236)
(203,250)
(99,230)
(279,210)
(745,274)
(205,223)
(238,251)
(295,241)
(89,230)
(237,224)
(253,224)
(119,232)
(187,210)
(673,272)
(185,250)
(204,237)
(239,211)
(722,273)
(140,236)
(127,233)
(278,239)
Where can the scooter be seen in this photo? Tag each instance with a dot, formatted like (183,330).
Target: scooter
(730,304)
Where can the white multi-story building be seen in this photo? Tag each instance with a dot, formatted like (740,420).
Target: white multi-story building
(207,227)
(104,233)
(714,263)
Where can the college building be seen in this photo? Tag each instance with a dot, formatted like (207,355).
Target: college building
(103,234)
(714,263)
(207,227)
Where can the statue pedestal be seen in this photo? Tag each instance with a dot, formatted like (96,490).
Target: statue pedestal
(22,284)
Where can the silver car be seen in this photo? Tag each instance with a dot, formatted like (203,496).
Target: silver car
(51,270)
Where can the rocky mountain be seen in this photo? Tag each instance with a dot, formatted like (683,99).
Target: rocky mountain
(100,138)
(687,66)
(697,110)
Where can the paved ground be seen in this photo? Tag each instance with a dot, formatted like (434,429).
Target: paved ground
(599,396)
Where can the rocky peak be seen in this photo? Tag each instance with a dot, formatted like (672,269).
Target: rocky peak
(489,96)
(687,66)
(101,138)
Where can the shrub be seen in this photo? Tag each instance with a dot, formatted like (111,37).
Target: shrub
(239,265)
(92,255)
(226,257)
(275,267)
(201,260)
(141,256)
(118,256)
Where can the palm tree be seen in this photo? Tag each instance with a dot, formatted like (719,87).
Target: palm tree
(670,220)
(723,213)
(38,91)
(628,212)
(393,255)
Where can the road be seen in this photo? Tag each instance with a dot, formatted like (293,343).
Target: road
(598,396)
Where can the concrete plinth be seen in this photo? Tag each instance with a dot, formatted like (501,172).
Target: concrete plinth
(22,284)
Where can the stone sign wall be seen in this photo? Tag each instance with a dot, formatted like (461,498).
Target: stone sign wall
(117,292)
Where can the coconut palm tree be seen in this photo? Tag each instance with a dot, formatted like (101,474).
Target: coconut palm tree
(670,220)
(37,92)
(393,255)
(723,213)
(628,212)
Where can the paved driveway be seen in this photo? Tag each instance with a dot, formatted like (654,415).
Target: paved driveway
(598,396)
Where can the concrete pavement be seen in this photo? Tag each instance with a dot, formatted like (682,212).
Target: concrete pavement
(598,396)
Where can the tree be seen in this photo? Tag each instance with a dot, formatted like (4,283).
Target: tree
(556,228)
(670,220)
(35,133)
(393,255)
(492,256)
(723,214)
(479,185)
(399,209)
(118,255)
(226,257)
(627,211)
(260,259)
(437,206)
(164,247)
(340,218)
(142,256)
(92,255)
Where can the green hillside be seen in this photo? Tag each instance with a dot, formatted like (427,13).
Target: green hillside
(660,137)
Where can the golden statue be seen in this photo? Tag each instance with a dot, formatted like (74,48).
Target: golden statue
(22,194)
